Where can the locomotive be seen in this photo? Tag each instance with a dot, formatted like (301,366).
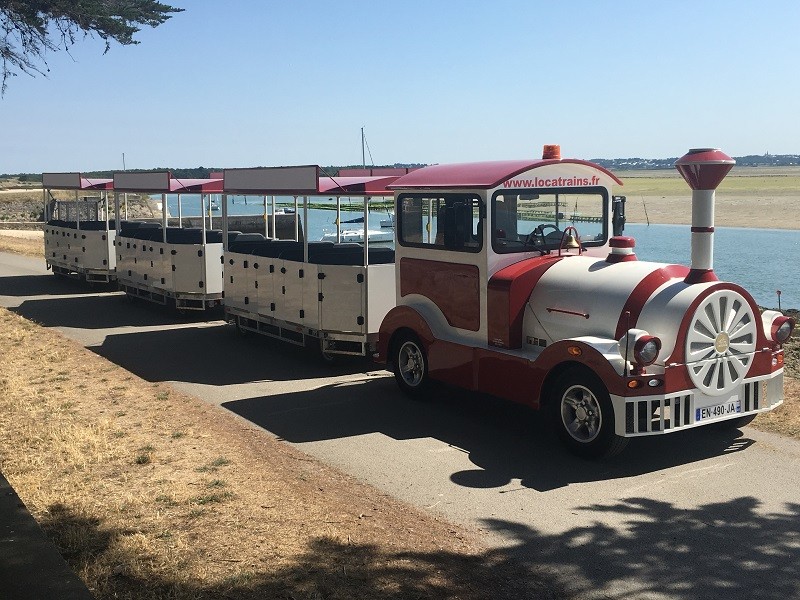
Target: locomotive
(523,293)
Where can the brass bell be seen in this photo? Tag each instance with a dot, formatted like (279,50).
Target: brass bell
(571,242)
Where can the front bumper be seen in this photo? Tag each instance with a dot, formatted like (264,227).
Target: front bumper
(659,414)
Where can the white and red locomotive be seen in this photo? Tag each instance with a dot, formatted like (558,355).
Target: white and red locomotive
(510,282)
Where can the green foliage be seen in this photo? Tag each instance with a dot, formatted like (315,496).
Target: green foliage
(31,28)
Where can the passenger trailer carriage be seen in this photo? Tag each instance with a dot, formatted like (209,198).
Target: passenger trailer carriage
(166,264)
(326,294)
(521,291)
(78,236)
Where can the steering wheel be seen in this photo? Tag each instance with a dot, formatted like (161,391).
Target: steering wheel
(537,237)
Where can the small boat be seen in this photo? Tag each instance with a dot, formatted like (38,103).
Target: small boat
(214,205)
(357,235)
(388,222)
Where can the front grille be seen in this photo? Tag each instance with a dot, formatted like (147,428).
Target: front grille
(752,400)
(653,416)
(674,413)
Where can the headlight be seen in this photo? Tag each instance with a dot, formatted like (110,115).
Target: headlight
(638,346)
(781,329)
(777,327)
(646,350)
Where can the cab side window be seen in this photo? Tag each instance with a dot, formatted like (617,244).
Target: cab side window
(447,222)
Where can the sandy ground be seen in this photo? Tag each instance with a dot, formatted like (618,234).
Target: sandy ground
(768,212)
(28,235)
(18,190)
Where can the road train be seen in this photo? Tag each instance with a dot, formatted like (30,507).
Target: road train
(510,278)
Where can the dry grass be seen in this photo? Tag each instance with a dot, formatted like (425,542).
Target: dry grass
(149,493)
(26,246)
(786,418)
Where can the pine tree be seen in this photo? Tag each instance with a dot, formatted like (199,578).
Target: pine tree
(31,28)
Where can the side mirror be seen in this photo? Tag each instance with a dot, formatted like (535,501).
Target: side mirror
(618,215)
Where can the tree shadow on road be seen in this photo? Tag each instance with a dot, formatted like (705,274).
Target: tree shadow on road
(728,550)
(718,550)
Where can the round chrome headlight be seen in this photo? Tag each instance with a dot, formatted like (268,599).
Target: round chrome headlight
(782,328)
(638,346)
(646,350)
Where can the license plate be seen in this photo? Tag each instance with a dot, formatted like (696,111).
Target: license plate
(718,410)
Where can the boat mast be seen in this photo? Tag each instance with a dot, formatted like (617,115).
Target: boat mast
(363,156)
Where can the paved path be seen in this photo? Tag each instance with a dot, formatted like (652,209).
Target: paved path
(698,514)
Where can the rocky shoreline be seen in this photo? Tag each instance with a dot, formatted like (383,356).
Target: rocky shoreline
(24,209)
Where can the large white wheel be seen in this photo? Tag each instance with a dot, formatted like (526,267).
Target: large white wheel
(583,415)
(721,342)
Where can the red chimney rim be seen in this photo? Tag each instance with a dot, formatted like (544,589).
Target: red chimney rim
(705,156)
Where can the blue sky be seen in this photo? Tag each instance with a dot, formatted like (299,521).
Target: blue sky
(252,83)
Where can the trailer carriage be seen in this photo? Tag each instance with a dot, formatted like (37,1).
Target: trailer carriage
(331,295)
(78,234)
(169,264)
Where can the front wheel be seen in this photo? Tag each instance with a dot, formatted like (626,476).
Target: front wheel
(584,416)
(411,366)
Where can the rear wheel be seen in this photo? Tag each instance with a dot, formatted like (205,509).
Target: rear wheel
(583,415)
(411,366)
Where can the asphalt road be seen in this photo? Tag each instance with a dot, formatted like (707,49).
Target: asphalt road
(698,514)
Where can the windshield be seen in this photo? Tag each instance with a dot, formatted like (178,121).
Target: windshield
(529,220)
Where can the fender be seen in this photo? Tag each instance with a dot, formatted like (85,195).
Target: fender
(593,354)
(401,317)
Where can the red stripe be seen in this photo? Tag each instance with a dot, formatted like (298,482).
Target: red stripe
(701,276)
(702,230)
(622,242)
(642,292)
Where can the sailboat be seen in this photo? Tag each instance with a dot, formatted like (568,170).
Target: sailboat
(380,237)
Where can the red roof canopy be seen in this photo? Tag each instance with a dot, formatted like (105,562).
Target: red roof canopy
(376,171)
(482,175)
(304,180)
(356,186)
(164,182)
(195,186)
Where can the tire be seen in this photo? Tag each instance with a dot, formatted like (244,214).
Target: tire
(731,424)
(583,415)
(411,366)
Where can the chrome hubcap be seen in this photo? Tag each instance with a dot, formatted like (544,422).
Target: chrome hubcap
(411,364)
(580,413)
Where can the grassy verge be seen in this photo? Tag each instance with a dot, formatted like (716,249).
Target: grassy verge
(149,493)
